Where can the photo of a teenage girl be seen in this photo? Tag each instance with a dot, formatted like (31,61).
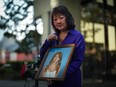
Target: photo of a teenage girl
(53,68)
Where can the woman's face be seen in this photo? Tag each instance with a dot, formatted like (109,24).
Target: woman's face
(59,21)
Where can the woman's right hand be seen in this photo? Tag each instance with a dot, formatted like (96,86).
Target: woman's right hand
(52,37)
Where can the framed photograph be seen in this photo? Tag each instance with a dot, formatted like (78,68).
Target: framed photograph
(55,62)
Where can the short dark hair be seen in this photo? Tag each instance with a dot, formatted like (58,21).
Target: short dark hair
(64,11)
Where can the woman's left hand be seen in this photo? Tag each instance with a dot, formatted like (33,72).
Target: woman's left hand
(50,82)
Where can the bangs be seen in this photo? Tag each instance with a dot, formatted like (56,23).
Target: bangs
(60,10)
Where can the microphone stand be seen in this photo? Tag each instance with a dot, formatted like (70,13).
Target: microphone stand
(27,78)
(36,80)
(30,67)
(36,70)
(36,83)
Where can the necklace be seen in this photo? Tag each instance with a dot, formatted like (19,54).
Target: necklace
(62,36)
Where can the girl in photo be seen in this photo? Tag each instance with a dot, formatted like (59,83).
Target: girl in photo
(53,68)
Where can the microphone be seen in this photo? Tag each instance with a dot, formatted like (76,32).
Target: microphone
(38,61)
(36,64)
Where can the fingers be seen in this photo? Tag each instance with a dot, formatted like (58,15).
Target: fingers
(49,81)
(52,37)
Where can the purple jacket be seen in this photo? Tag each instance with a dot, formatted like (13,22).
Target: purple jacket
(73,74)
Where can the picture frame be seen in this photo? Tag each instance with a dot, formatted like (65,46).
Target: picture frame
(55,62)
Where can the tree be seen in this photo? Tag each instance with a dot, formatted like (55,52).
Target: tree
(18,21)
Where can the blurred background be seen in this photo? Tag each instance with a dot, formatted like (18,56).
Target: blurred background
(25,24)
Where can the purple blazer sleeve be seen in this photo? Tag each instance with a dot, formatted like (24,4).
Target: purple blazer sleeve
(78,55)
(44,48)
(47,44)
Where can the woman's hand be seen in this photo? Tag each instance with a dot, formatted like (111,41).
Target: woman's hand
(50,82)
(52,37)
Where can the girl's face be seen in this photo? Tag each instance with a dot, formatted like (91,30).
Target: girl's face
(59,21)
(56,59)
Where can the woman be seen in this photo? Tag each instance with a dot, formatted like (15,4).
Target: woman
(65,33)
(53,68)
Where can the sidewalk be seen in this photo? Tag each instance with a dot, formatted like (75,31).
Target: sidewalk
(99,84)
(31,83)
(20,83)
